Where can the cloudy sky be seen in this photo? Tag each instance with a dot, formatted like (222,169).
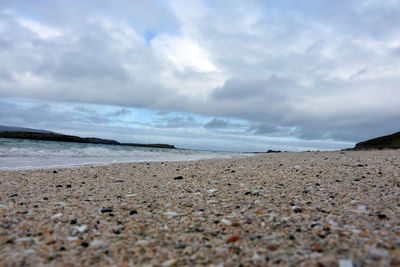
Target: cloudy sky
(232,75)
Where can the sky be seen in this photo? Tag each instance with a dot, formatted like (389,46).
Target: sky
(228,75)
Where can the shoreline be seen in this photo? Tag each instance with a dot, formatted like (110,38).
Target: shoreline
(294,208)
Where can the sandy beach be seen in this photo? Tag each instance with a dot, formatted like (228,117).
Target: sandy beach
(284,209)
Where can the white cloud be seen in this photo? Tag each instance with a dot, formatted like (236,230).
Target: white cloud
(43,31)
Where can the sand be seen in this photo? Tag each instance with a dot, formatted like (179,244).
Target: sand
(283,209)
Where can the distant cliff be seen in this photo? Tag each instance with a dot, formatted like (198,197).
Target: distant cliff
(48,136)
(391,141)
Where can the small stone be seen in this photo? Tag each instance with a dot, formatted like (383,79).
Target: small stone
(297,209)
(56,216)
(378,253)
(74,221)
(345,263)
(84,244)
(171,213)
(316,247)
(68,186)
(178,178)
(226,222)
(54,171)
(142,243)
(169,262)
(118,181)
(132,212)
(272,247)
(99,244)
(104,210)
(232,239)
(362,208)
(382,216)
(82,228)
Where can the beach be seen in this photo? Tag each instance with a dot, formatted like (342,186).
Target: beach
(338,208)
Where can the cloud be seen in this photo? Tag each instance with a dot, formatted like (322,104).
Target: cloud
(285,68)
(216,124)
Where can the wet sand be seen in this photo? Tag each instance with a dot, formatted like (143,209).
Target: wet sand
(284,209)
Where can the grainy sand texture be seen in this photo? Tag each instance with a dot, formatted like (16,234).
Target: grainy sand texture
(282,209)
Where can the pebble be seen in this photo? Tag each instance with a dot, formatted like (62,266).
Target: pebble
(56,216)
(378,253)
(226,222)
(104,210)
(345,263)
(82,228)
(233,239)
(98,243)
(169,262)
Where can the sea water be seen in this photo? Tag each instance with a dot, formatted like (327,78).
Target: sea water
(19,154)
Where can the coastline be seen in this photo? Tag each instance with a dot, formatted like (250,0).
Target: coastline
(301,208)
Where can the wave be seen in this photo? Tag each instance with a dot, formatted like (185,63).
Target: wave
(30,154)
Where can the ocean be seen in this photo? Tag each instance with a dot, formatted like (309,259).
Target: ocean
(18,154)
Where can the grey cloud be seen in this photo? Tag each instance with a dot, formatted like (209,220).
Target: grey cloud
(175,122)
(396,52)
(121,112)
(216,124)
(275,88)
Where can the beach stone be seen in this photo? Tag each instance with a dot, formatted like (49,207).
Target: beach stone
(104,210)
(98,243)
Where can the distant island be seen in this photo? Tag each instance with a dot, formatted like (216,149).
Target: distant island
(391,141)
(33,134)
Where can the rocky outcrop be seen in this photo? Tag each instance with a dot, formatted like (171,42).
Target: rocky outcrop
(391,141)
(71,138)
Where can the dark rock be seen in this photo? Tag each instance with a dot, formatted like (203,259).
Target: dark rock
(59,185)
(273,151)
(132,212)
(68,186)
(382,216)
(74,221)
(54,171)
(178,178)
(104,210)
(84,244)
(118,181)
(14,195)
(298,210)
(180,246)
